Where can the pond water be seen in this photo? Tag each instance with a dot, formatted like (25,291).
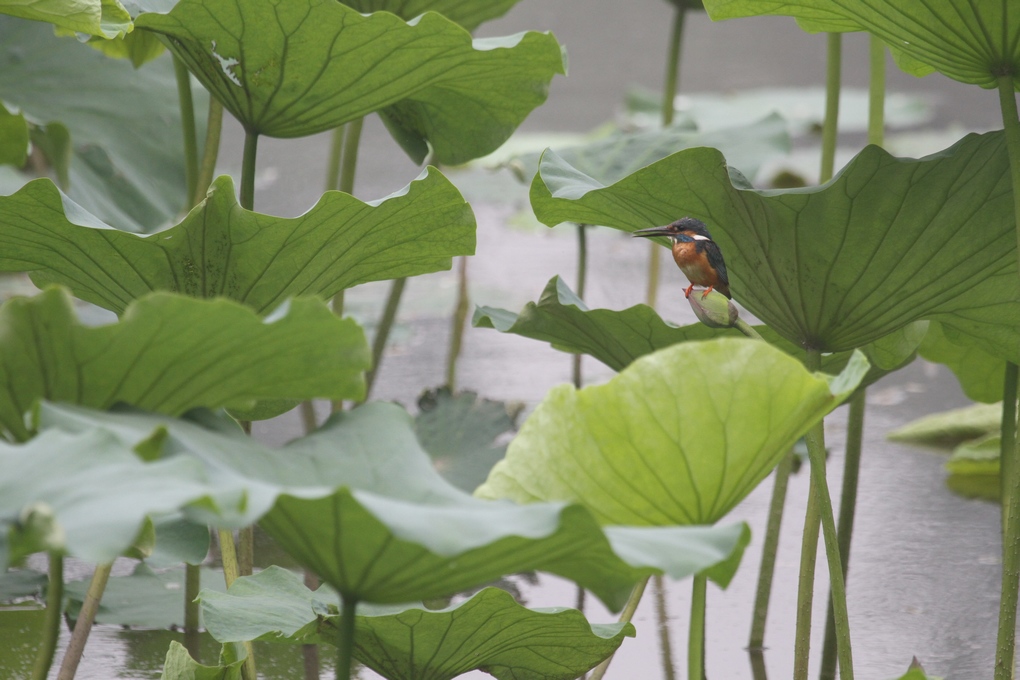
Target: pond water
(924,572)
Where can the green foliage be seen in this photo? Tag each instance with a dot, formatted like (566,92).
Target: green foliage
(106,18)
(951,427)
(980,374)
(13,138)
(219,354)
(677,421)
(222,250)
(124,124)
(617,338)
(489,631)
(973,42)
(144,599)
(612,157)
(468,13)
(180,666)
(838,266)
(98,504)
(459,432)
(294,69)
(359,502)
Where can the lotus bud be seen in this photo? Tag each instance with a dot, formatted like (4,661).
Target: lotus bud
(714,310)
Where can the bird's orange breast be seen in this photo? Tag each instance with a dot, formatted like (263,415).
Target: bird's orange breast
(694,265)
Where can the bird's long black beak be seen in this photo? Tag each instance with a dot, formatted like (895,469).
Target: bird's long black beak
(653,231)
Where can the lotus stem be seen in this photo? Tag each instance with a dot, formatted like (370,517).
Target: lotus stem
(336,151)
(54,608)
(830,126)
(815,438)
(669,89)
(192,584)
(847,508)
(1007,435)
(696,639)
(876,93)
(251,145)
(349,164)
(345,638)
(625,616)
(769,552)
(188,128)
(310,653)
(458,324)
(228,555)
(747,329)
(337,305)
(654,267)
(1006,645)
(758,671)
(382,333)
(672,82)
(83,625)
(246,551)
(582,284)
(806,585)
(659,590)
(210,152)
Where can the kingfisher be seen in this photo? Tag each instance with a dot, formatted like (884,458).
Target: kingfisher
(697,255)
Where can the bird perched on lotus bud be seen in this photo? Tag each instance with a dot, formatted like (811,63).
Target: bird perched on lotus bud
(697,255)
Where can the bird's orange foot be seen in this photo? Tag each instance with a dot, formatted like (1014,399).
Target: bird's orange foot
(687,292)
(707,291)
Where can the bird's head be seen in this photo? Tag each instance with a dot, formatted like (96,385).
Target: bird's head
(684,229)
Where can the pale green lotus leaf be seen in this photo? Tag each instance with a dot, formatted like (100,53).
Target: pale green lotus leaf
(951,427)
(106,18)
(180,666)
(679,437)
(88,495)
(359,503)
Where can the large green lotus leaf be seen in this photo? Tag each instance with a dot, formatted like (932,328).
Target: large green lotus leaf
(222,250)
(838,266)
(613,157)
(617,338)
(125,124)
(296,68)
(106,18)
(360,504)
(973,41)
(89,495)
(980,374)
(468,13)
(171,353)
(489,631)
(951,427)
(678,437)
